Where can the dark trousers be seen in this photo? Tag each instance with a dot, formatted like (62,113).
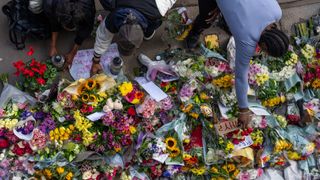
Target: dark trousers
(208,13)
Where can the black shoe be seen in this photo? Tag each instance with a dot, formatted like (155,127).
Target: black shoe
(149,35)
(192,41)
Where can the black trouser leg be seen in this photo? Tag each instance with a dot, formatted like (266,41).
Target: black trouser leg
(207,10)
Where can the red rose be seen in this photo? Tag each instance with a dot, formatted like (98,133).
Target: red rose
(18,151)
(41,81)
(235,141)
(131,111)
(4,143)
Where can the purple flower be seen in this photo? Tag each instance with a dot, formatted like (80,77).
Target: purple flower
(2,132)
(108,118)
(166,104)
(39,115)
(47,125)
(25,114)
(186,91)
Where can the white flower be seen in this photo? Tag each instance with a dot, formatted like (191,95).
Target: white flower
(86,175)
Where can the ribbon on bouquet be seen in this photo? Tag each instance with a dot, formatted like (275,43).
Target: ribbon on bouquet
(155,67)
(211,54)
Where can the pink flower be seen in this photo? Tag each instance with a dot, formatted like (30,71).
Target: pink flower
(245,176)
(3,173)
(22,105)
(263,123)
(39,139)
(4,163)
(2,112)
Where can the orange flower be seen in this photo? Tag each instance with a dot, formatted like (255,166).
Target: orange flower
(139,95)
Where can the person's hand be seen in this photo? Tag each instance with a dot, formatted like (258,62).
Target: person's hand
(96,67)
(53,51)
(244,118)
(69,58)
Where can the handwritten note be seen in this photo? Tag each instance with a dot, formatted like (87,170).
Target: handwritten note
(246,143)
(82,62)
(227,126)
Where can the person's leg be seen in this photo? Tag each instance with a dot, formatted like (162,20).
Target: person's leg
(208,11)
(151,29)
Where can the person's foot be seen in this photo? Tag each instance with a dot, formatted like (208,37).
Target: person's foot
(192,41)
(149,35)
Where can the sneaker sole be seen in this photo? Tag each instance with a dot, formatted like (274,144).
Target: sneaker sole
(150,37)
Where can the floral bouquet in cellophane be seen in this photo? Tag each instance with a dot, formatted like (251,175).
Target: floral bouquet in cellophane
(35,75)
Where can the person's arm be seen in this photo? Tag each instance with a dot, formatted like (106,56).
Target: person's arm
(103,40)
(53,44)
(244,52)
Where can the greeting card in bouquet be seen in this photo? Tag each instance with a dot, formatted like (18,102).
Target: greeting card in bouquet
(81,65)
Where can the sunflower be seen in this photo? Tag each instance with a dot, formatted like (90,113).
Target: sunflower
(85,97)
(174,152)
(171,143)
(90,84)
(81,89)
(92,98)
(214,170)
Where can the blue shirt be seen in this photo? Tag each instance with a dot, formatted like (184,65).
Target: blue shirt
(247,19)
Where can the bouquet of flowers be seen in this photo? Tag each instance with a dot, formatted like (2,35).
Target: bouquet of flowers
(179,24)
(284,67)
(258,74)
(35,76)
(269,94)
(131,93)
(215,68)
(312,75)
(225,81)
(226,171)
(308,53)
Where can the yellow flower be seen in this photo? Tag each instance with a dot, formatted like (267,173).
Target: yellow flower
(74,97)
(231,167)
(230,146)
(92,98)
(225,168)
(214,170)
(171,143)
(204,96)
(186,156)
(69,176)
(81,88)
(117,149)
(87,138)
(198,171)
(85,97)
(90,84)
(60,170)
(103,94)
(125,88)
(135,101)
(47,173)
(293,156)
(186,141)
(236,173)
(132,129)
(194,115)
(174,152)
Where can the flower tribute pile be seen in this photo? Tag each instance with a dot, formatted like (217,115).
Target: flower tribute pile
(100,128)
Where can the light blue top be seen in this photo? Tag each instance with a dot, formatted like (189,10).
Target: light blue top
(247,19)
